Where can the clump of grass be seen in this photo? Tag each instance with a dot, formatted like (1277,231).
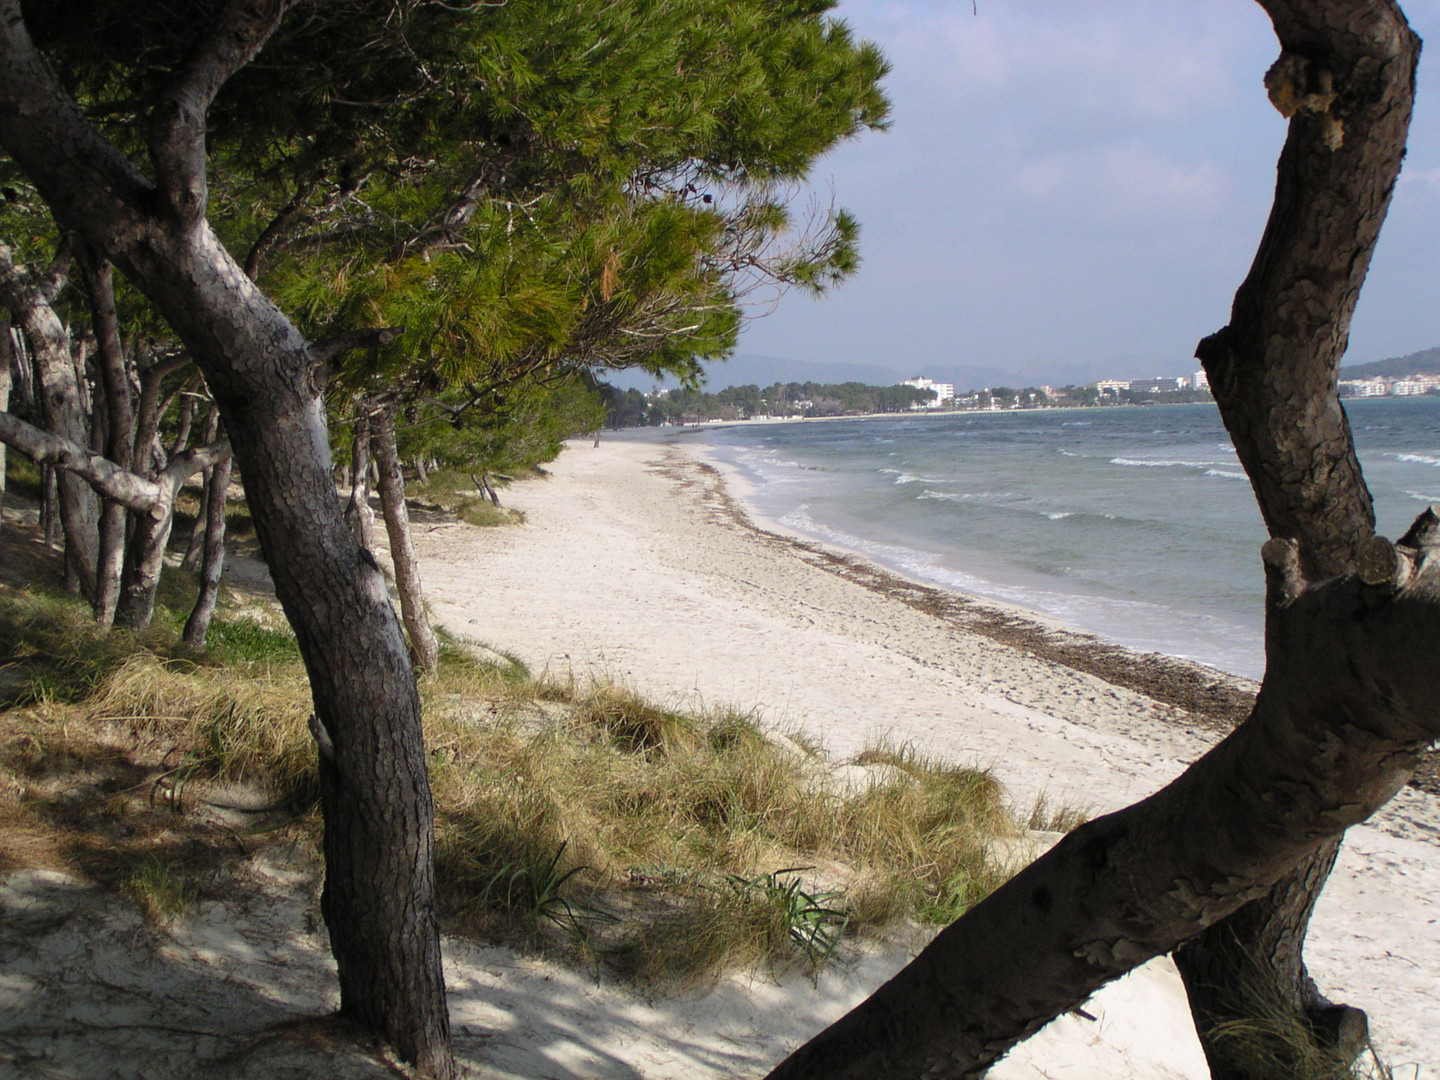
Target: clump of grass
(711,807)
(770,920)
(239,525)
(1278,1042)
(1064,818)
(245,641)
(158,887)
(226,723)
(485,514)
(57,640)
(632,722)
(22,479)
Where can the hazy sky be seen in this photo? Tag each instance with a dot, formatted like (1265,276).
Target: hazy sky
(1083,182)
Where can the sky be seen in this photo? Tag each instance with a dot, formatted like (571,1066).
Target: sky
(1071,187)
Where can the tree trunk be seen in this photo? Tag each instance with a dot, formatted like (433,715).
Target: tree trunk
(1320,753)
(50,508)
(7,361)
(144,560)
(185,422)
(1345,78)
(402,547)
(119,431)
(61,407)
(378,900)
(199,533)
(358,514)
(1248,834)
(198,624)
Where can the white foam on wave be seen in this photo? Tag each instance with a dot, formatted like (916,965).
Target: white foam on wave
(1422,497)
(1163,463)
(1228,474)
(967,496)
(1418,459)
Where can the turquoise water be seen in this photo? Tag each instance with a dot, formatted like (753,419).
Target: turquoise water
(1133,523)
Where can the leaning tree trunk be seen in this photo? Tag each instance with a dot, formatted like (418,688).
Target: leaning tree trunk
(402,546)
(1244,839)
(1345,79)
(378,901)
(1320,752)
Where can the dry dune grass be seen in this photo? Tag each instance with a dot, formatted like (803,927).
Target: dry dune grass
(579,818)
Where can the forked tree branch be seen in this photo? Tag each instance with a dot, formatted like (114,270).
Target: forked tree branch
(177,122)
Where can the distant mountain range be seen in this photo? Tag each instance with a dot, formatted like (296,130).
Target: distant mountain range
(750,369)
(1424,362)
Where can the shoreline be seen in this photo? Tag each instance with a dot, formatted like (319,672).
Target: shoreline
(1168,610)
(1219,698)
(637,564)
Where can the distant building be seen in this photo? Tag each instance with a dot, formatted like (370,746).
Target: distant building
(944,391)
(1111,387)
(1200,381)
(1378,387)
(1160,386)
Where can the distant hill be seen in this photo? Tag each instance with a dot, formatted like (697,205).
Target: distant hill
(1424,362)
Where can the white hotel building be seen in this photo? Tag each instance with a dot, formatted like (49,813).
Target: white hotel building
(944,391)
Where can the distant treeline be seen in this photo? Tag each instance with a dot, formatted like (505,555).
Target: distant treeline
(631,408)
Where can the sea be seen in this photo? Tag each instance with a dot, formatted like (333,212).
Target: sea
(1136,524)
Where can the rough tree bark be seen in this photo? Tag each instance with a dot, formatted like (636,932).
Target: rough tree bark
(1244,839)
(29,296)
(7,361)
(402,547)
(119,430)
(1345,80)
(379,890)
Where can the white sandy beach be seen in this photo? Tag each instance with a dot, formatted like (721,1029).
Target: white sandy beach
(632,567)
(636,566)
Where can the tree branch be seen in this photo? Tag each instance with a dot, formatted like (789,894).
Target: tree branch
(365,338)
(275,230)
(44,130)
(110,480)
(177,122)
(134,492)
